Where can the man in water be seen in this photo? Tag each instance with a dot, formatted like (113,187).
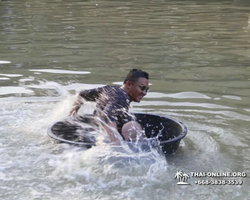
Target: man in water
(113,104)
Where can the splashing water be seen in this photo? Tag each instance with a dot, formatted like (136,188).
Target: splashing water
(49,169)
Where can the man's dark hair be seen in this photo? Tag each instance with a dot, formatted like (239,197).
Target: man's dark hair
(134,74)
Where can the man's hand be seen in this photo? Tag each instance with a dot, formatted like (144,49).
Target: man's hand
(77,105)
(74,110)
(112,130)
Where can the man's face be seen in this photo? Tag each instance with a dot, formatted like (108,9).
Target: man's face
(137,90)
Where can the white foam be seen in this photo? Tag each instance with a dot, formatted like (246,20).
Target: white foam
(58,71)
(3,78)
(14,90)
(180,95)
(11,75)
(81,86)
(4,62)
(232,97)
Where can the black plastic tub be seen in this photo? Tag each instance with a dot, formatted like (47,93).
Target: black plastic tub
(168,131)
(78,130)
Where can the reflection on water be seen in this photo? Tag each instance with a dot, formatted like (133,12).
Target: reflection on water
(197,55)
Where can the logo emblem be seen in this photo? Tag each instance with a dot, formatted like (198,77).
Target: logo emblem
(182,178)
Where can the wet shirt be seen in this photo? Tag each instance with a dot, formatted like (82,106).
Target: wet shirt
(112,104)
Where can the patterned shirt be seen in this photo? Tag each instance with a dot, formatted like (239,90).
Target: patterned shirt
(112,104)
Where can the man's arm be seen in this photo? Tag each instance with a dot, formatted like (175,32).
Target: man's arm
(111,129)
(84,95)
(76,106)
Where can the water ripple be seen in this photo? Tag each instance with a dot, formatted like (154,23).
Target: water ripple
(58,71)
